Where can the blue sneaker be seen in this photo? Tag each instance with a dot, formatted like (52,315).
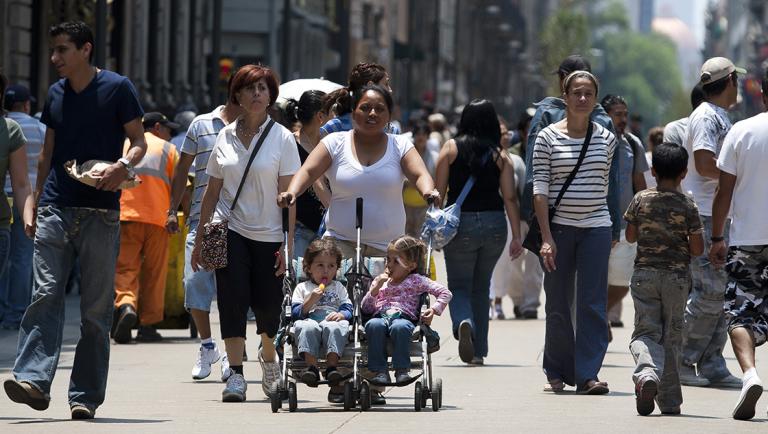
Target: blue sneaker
(235,390)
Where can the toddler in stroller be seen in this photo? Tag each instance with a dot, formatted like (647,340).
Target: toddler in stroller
(323,310)
(393,301)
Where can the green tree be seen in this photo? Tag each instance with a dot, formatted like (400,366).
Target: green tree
(640,67)
(643,69)
(566,32)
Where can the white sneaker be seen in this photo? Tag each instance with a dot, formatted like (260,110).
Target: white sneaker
(270,373)
(225,371)
(750,393)
(205,358)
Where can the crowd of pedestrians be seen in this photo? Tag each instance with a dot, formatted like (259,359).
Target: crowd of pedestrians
(674,220)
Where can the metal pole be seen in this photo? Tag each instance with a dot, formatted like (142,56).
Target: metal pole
(100,50)
(215,52)
(286,51)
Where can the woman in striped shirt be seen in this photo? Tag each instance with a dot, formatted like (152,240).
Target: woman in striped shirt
(578,240)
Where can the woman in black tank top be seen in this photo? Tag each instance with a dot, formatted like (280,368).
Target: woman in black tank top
(471,256)
(310,206)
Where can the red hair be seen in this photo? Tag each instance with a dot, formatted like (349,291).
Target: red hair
(250,74)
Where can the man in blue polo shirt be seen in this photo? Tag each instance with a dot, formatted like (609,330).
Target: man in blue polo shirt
(88,114)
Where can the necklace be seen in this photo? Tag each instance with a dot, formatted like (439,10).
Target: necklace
(242,130)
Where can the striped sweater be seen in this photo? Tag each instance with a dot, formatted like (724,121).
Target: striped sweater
(554,156)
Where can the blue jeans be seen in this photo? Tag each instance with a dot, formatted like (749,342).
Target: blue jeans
(302,236)
(199,286)
(94,237)
(582,274)
(16,281)
(399,330)
(469,261)
(7,311)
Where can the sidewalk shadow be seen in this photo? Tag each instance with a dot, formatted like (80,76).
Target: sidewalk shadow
(107,420)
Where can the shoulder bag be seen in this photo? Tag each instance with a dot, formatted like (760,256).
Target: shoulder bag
(533,240)
(213,252)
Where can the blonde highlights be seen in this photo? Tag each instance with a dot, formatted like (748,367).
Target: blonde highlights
(413,249)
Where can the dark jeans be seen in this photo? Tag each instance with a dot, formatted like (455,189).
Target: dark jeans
(93,236)
(469,261)
(575,356)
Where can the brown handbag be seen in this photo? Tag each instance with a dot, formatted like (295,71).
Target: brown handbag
(213,251)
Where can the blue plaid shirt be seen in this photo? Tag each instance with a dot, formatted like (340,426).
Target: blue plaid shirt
(344,123)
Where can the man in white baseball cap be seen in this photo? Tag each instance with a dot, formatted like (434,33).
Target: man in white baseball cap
(717,68)
(705,332)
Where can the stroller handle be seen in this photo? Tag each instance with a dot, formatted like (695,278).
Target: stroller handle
(359,213)
(285,220)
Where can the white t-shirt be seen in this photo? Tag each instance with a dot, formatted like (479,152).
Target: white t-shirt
(334,296)
(674,132)
(745,155)
(650,181)
(380,185)
(707,127)
(256,215)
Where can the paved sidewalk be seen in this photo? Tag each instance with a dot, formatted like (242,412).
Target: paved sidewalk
(151,390)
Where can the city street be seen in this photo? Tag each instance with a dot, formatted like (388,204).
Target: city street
(150,390)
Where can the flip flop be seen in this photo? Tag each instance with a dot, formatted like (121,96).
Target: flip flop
(555,385)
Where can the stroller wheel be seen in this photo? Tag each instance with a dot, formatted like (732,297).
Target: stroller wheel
(439,391)
(274,396)
(349,397)
(418,396)
(365,397)
(292,399)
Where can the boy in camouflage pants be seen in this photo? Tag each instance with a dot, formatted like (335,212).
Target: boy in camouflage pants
(668,230)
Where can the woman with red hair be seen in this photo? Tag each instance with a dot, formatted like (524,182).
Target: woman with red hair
(244,195)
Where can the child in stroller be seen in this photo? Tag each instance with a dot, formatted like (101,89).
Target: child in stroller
(323,309)
(393,300)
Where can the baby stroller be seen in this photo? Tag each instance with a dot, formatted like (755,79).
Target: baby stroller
(357,389)
(292,365)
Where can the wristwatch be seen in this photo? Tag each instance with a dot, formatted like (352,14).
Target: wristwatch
(127,164)
(717,239)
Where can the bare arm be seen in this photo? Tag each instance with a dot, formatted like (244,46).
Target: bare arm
(631,233)
(317,163)
(178,187)
(696,244)
(44,162)
(706,164)
(638,182)
(720,207)
(417,173)
(22,191)
(282,185)
(447,155)
(115,174)
(509,196)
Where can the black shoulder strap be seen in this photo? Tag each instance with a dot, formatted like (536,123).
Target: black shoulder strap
(572,175)
(255,150)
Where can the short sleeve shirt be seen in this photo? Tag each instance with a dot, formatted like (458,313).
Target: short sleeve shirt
(11,139)
(199,142)
(88,126)
(664,221)
(256,215)
(380,185)
(707,127)
(745,155)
